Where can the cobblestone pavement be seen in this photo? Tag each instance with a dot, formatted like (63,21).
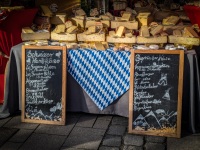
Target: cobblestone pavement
(84,132)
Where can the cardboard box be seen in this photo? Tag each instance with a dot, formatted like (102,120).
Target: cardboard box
(126,40)
(128,24)
(153,40)
(35,36)
(183,40)
(63,37)
(91,37)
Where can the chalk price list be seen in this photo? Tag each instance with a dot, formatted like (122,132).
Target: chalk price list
(40,67)
(147,67)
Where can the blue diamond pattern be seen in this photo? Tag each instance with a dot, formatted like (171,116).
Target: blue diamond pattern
(104,75)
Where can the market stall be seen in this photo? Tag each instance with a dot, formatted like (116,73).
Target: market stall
(78,100)
(99,45)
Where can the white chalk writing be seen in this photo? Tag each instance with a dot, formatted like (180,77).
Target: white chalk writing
(40,67)
(139,58)
(145,84)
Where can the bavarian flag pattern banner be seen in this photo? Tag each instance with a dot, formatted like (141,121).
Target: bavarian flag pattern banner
(104,75)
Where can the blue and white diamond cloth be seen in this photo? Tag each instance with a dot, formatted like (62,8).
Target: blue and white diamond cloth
(104,75)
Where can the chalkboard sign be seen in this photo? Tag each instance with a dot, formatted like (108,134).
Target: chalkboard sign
(44,84)
(155,99)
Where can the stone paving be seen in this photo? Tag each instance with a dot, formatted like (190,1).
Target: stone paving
(84,132)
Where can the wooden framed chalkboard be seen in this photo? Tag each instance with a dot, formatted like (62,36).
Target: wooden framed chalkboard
(155,96)
(44,84)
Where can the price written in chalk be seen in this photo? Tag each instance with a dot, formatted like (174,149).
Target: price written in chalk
(156,79)
(44,84)
(143,79)
(40,67)
(154,90)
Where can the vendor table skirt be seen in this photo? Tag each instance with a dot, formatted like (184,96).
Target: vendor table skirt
(79,101)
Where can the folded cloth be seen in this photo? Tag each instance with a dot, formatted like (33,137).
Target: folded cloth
(1,88)
(3,62)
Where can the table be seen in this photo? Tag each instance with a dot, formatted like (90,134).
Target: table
(104,75)
(79,101)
